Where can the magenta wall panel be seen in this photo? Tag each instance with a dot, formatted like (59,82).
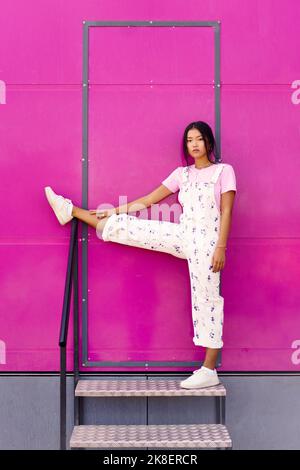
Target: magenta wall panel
(146,84)
(38,149)
(31,302)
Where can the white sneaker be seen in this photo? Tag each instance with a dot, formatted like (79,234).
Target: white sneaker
(201,378)
(61,206)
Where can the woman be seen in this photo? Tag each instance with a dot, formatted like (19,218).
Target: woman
(206,194)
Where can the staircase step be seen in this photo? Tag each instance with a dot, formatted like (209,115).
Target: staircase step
(151,435)
(138,388)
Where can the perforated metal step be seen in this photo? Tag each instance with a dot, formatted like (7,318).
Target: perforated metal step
(153,435)
(151,387)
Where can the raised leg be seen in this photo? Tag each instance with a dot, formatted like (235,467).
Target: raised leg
(150,234)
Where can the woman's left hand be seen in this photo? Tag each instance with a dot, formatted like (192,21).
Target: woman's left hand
(218,260)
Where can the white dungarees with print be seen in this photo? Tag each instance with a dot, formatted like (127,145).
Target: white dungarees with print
(194,238)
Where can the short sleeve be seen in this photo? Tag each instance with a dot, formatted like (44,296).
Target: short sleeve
(228,179)
(172,182)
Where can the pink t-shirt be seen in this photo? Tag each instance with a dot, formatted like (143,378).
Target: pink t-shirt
(225,182)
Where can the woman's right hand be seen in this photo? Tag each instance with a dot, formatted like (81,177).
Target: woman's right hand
(102,213)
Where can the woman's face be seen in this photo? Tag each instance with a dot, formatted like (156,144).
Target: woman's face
(195,143)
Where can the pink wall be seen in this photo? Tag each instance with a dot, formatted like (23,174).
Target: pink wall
(139,306)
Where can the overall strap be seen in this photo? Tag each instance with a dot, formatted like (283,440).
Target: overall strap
(217,172)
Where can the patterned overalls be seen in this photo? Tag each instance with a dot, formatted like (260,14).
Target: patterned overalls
(194,238)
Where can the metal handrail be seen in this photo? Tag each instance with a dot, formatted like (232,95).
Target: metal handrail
(71,281)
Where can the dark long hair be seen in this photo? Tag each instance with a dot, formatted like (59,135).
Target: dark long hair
(209,140)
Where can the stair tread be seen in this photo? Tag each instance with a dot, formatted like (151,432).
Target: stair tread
(151,435)
(151,387)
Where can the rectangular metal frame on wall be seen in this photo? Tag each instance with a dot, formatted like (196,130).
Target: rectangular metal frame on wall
(85,158)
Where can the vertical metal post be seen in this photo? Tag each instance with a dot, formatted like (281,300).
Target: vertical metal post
(76,332)
(85,159)
(223,410)
(63,398)
(217,87)
(217,409)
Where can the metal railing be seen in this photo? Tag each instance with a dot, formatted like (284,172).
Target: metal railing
(71,281)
